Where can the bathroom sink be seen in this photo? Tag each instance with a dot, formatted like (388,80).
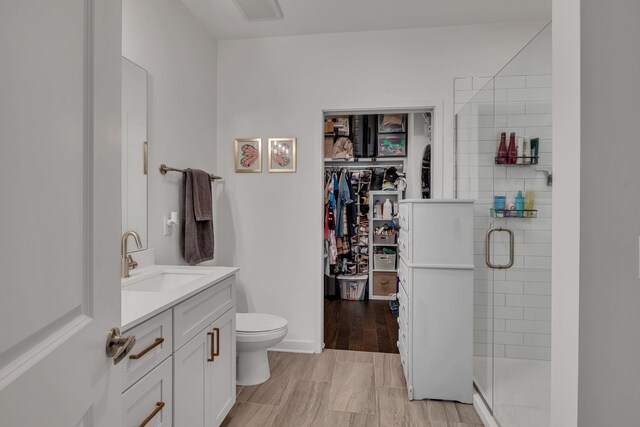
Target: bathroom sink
(163,281)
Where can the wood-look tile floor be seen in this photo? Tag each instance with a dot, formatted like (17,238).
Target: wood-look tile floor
(338,389)
(360,326)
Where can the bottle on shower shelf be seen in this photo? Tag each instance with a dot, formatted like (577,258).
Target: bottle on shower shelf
(512,150)
(502,149)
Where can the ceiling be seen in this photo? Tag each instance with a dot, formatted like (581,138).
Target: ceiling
(224,21)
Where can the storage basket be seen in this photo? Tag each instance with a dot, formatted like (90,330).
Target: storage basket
(384,262)
(352,287)
(384,239)
(384,283)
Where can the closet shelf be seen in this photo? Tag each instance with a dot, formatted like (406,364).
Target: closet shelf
(519,214)
(385,244)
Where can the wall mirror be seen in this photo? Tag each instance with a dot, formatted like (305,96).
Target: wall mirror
(134,149)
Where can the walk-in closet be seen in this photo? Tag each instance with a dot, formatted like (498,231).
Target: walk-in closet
(371,162)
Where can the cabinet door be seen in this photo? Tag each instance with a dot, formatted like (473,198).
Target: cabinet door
(192,392)
(223,366)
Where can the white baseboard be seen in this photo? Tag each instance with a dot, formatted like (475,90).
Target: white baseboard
(294,346)
(483,411)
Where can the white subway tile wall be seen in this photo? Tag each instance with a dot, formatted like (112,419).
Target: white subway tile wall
(512,308)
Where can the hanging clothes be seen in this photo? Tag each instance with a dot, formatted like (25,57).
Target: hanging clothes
(344,197)
(351,207)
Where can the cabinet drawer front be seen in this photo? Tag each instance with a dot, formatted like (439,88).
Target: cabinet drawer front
(152,394)
(404,245)
(405,276)
(403,216)
(154,338)
(196,313)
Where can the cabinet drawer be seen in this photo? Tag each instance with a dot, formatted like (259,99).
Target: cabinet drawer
(404,245)
(151,397)
(405,276)
(196,313)
(403,216)
(154,343)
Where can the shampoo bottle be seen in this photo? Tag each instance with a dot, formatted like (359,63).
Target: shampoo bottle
(502,149)
(529,200)
(512,151)
(520,204)
(535,147)
(519,150)
(526,151)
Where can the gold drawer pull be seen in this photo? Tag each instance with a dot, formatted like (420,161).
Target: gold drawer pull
(217,331)
(159,407)
(215,349)
(156,343)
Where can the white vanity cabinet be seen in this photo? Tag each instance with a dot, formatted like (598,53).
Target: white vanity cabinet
(435,270)
(182,370)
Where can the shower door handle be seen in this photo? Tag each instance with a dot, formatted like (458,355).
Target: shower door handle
(487,248)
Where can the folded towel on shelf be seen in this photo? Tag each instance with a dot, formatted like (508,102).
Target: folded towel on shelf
(197,217)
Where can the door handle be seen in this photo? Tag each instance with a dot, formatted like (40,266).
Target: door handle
(118,346)
(487,248)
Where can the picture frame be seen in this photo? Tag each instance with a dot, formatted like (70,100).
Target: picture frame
(282,155)
(248,155)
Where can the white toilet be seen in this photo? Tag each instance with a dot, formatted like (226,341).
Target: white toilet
(255,333)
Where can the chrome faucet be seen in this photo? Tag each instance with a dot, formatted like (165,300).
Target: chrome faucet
(126,261)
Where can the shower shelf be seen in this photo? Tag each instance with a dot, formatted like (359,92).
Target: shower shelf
(506,213)
(533,160)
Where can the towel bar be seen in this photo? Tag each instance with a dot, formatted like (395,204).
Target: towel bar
(164,169)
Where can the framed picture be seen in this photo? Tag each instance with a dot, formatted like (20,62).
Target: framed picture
(282,154)
(248,155)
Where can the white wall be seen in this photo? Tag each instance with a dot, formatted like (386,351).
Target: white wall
(609,364)
(272,223)
(165,39)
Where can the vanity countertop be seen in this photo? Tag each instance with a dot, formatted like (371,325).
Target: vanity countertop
(141,305)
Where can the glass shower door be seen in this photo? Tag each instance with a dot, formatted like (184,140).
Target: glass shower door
(512,277)
(522,292)
(475,181)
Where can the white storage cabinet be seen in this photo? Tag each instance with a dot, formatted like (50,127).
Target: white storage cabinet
(435,337)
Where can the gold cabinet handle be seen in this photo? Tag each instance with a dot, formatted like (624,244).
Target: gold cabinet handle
(211,353)
(215,349)
(145,157)
(156,343)
(217,331)
(159,407)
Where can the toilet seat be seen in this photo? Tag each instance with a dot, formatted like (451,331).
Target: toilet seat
(259,323)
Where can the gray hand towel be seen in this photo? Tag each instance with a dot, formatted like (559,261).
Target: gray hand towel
(197,217)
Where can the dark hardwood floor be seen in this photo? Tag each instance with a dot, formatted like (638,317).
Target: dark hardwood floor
(360,326)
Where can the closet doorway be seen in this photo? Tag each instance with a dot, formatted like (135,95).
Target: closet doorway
(371,163)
